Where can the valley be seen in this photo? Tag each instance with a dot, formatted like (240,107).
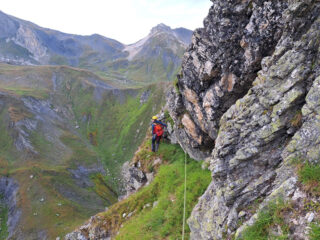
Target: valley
(65,133)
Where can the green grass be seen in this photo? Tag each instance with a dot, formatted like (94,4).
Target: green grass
(117,124)
(81,153)
(103,190)
(6,141)
(309,175)
(30,92)
(269,217)
(315,232)
(58,60)
(168,118)
(3,221)
(164,221)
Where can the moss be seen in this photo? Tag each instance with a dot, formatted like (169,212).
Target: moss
(168,118)
(176,85)
(310,206)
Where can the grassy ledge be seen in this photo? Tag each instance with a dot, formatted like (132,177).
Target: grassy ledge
(272,216)
(156,211)
(309,176)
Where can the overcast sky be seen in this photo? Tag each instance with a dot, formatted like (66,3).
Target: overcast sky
(124,20)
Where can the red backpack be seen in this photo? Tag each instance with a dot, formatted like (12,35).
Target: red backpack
(158,130)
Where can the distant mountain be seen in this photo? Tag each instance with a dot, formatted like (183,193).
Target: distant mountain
(154,58)
(157,56)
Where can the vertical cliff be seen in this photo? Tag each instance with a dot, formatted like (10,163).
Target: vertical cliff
(247,100)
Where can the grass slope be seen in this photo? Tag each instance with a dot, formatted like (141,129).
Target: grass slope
(156,211)
(270,217)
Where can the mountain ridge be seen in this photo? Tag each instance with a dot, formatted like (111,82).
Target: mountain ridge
(25,43)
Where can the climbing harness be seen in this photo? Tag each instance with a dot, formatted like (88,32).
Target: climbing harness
(185,195)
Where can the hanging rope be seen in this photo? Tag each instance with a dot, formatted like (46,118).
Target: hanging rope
(185,195)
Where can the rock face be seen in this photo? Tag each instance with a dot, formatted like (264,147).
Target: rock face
(133,177)
(248,99)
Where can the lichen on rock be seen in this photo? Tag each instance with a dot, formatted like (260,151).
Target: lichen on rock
(246,76)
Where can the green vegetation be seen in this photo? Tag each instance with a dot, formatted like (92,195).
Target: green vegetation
(3,221)
(268,218)
(309,175)
(111,124)
(30,92)
(315,231)
(116,124)
(176,85)
(103,190)
(11,49)
(168,118)
(58,60)
(158,208)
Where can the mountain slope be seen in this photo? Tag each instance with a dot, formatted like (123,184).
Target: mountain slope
(46,46)
(157,208)
(159,54)
(65,134)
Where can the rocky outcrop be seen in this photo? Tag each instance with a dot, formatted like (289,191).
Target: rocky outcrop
(133,177)
(220,65)
(247,99)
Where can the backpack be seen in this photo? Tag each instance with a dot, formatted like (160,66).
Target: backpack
(158,130)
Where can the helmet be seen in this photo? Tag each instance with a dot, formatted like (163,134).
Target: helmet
(154,118)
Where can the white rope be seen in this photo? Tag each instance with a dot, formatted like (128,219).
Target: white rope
(185,195)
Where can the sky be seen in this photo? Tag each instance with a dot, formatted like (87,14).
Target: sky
(124,20)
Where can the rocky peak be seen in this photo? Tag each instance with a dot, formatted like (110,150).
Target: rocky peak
(161,28)
(182,34)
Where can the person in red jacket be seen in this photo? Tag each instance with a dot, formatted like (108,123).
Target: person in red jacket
(157,132)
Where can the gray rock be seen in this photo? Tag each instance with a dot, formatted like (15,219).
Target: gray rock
(220,65)
(133,178)
(310,216)
(145,96)
(245,78)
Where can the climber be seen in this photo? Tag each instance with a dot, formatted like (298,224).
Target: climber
(157,132)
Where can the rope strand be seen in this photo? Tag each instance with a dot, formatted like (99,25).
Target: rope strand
(185,195)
